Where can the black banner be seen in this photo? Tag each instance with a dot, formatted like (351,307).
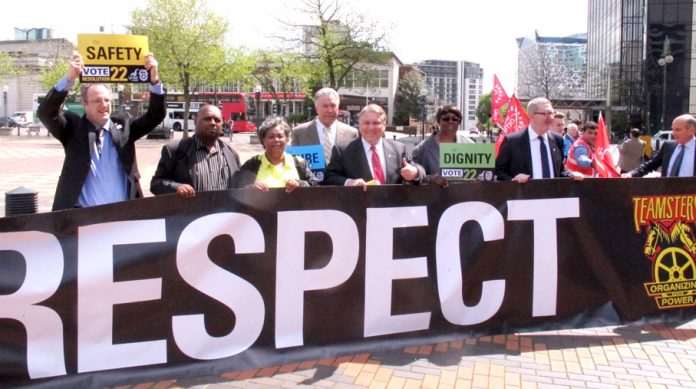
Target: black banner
(166,287)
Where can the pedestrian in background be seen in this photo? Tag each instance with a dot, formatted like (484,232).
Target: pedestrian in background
(632,152)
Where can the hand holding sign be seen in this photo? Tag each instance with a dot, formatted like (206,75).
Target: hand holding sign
(151,66)
(408,171)
(75,67)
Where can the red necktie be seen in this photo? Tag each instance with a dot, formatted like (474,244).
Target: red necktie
(377,172)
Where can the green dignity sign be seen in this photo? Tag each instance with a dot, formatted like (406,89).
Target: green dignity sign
(467,162)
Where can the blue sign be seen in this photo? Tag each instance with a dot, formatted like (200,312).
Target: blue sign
(314,155)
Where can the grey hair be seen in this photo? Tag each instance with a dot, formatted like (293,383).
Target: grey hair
(325,92)
(272,123)
(531,106)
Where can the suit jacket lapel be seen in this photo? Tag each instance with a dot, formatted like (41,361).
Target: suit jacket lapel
(191,158)
(116,135)
(313,134)
(229,158)
(556,156)
(364,169)
(669,150)
(526,151)
(390,159)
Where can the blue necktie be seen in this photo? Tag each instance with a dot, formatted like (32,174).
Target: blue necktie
(545,172)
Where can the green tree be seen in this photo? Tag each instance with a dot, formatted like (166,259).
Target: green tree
(483,111)
(187,40)
(51,74)
(7,66)
(407,99)
(280,72)
(338,42)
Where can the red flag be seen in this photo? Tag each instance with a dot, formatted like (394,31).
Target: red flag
(498,99)
(515,119)
(604,161)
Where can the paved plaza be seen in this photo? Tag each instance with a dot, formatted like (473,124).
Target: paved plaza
(645,356)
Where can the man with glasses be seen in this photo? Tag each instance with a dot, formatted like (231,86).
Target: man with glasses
(99,166)
(534,152)
(676,157)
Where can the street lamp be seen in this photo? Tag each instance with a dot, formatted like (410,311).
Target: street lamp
(257,91)
(5,88)
(423,110)
(665,59)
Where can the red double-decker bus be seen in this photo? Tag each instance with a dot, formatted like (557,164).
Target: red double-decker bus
(240,106)
(234,105)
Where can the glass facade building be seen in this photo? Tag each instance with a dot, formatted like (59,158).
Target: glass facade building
(626,39)
(458,83)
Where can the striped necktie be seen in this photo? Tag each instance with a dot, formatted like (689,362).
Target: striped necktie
(328,144)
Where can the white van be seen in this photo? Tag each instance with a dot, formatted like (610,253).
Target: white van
(175,116)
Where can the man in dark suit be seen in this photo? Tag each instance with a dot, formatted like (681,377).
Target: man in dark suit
(678,157)
(371,159)
(534,152)
(325,129)
(199,163)
(99,166)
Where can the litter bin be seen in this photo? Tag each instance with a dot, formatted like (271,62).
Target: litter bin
(21,201)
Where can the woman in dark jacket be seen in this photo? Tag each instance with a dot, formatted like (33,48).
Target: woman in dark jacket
(274,168)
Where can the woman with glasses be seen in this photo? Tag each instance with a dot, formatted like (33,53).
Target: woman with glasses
(427,153)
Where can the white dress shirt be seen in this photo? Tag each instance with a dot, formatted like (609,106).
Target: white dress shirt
(536,154)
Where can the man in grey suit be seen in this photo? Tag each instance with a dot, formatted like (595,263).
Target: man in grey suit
(371,159)
(199,163)
(100,165)
(325,129)
(676,158)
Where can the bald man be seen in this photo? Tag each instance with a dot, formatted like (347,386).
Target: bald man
(677,158)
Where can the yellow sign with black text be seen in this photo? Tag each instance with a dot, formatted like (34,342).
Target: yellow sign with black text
(113,58)
(670,246)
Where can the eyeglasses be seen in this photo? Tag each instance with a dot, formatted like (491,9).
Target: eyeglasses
(544,113)
(450,119)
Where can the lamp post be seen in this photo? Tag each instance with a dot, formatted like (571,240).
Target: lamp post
(665,59)
(257,116)
(4,105)
(423,110)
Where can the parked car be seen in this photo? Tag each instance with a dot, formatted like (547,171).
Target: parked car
(659,138)
(161,132)
(7,122)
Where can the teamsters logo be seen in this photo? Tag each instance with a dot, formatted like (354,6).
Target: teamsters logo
(670,246)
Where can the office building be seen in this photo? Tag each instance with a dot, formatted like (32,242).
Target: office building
(458,83)
(552,67)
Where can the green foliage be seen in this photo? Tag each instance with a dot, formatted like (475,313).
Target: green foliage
(188,42)
(280,68)
(50,75)
(407,99)
(339,41)
(483,111)
(296,118)
(7,66)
